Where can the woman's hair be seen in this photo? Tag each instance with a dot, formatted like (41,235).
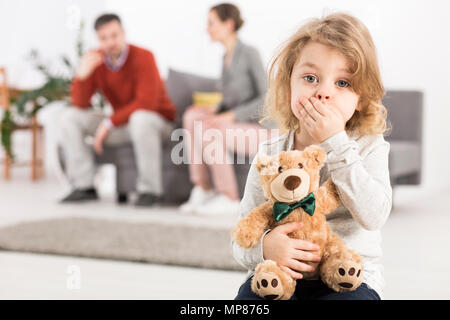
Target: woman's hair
(351,38)
(227,11)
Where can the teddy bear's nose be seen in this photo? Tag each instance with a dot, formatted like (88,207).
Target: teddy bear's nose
(292,182)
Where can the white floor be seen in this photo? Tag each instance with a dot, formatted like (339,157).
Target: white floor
(415,244)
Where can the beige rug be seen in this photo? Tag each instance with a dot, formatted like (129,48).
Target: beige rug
(153,242)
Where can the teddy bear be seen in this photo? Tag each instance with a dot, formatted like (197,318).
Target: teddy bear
(290,181)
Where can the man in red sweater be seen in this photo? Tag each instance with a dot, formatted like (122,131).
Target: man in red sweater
(127,76)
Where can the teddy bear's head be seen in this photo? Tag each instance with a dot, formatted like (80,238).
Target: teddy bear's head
(292,175)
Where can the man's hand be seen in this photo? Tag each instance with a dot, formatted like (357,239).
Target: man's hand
(89,62)
(100,136)
(320,121)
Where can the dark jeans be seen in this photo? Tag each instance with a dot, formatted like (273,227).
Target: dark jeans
(313,290)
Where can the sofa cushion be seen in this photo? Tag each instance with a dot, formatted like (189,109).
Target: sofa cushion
(404,158)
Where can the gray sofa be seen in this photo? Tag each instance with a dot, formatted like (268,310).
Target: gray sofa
(405,162)
(176,183)
(405,114)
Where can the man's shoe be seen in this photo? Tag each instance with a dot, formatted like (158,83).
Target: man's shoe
(81,195)
(122,198)
(146,200)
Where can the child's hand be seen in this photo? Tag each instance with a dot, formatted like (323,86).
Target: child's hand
(319,120)
(287,252)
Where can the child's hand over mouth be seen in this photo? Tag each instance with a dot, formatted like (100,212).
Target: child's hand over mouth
(320,120)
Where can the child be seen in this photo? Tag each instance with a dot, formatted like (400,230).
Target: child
(325,89)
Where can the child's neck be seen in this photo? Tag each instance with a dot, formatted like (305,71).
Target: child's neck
(302,140)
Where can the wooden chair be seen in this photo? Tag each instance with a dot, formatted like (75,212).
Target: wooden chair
(36,163)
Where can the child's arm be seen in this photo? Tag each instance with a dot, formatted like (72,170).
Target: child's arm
(362,180)
(253,197)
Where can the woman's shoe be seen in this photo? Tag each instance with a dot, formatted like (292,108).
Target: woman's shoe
(197,198)
(219,205)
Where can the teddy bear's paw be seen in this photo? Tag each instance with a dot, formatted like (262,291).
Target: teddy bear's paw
(268,286)
(348,276)
(271,283)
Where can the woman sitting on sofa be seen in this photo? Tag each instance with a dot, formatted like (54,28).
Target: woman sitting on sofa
(243,86)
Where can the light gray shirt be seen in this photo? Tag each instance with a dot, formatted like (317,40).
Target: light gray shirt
(358,166)
(244,84)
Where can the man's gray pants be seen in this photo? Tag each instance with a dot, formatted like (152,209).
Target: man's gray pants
(147,130)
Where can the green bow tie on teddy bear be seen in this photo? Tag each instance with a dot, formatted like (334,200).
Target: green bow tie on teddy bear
(282,210)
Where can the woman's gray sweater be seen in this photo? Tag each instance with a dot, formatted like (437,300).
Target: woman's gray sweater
(244,84)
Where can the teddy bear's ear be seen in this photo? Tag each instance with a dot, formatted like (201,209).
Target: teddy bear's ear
(267,165)
(316,155)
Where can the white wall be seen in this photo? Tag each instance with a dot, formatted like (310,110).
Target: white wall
(44,25)
(411,37)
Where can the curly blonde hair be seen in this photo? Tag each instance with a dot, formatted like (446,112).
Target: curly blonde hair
(351,38)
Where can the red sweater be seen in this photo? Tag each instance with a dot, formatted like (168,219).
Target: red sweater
(136,85)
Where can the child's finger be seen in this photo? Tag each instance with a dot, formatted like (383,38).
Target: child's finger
(290,227)
(304,114)
(293,274)
(307,105)
(308,121)
(300,266)
(320,107)
(306,256)
(305,245)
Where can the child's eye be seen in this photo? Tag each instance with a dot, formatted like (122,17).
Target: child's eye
(343,84)
(310,78)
